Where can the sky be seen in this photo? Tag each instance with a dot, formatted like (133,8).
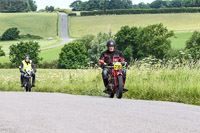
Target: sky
(65,3)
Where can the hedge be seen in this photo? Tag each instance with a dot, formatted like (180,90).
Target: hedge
(72,14)
(142,11)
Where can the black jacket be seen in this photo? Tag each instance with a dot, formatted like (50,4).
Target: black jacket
(111,57)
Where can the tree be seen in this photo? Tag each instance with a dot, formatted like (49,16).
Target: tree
(153,40)
(2,53)
(193,45)
(17,5)
(176,3)
(105,5)
(142,5)
(75,5)
(73,55)
(87,41)
(18,51)
(98,46)
(10,34)
(126,41)
(159,4)
(120,4)
(95,5)
(33,5)
(50,9)
(138,43)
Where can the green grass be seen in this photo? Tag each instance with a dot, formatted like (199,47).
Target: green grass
(42,24)
(4,59)
(180,40)
(178,85)
(43,43)
(50,54)
(182,24)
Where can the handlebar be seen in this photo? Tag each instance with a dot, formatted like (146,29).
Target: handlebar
(112,65)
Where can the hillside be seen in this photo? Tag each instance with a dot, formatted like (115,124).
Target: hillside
(182,24)
(42,24)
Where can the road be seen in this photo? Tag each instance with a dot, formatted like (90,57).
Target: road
(22,112)
(64,32)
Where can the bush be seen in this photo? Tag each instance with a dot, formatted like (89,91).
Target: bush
(126,42)
(98,46)
(73,55)
(72,14)
(10,34)
(29,36)
(49,65)
(18,51)
(142,11)
(67,11)
(7,65)
(138,43)
(193,45)
(87,41)
(2,53)
(153,40)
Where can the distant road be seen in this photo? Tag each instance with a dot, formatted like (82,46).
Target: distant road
(22,112)
(64,32)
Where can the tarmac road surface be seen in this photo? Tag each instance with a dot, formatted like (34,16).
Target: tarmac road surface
(22,112)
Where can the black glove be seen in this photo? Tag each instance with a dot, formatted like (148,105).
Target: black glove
(21,71)
(35,71)
(124,64)
(103,65)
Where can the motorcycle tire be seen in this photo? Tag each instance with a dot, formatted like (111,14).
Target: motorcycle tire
(29,85)
(119,91)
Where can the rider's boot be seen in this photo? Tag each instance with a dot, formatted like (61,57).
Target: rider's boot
(22,85)
(33,83)
(105,81)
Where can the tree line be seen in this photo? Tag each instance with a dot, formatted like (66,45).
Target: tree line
(91,5)
(17,5)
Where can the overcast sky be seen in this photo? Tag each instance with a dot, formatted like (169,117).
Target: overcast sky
(65,3)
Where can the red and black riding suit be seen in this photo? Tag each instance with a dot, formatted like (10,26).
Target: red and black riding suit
(109,58)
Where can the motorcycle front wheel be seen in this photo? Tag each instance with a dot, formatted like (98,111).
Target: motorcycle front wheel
(119,90)
(28,87)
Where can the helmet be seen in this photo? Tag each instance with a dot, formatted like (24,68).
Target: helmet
(27,57)
(111,43)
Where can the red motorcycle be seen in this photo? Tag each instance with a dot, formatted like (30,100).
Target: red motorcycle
(115,80)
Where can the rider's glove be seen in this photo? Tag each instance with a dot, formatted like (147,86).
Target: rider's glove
(104,64)
(21,71)
(124,63)
(35,71)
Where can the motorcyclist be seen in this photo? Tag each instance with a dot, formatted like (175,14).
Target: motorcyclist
(27,64)
(109,57)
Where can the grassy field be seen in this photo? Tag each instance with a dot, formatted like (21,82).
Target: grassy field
(179,85)
(51,54)
(48,55)
(182,24)
(42,24)
(180,40)
(43,43)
